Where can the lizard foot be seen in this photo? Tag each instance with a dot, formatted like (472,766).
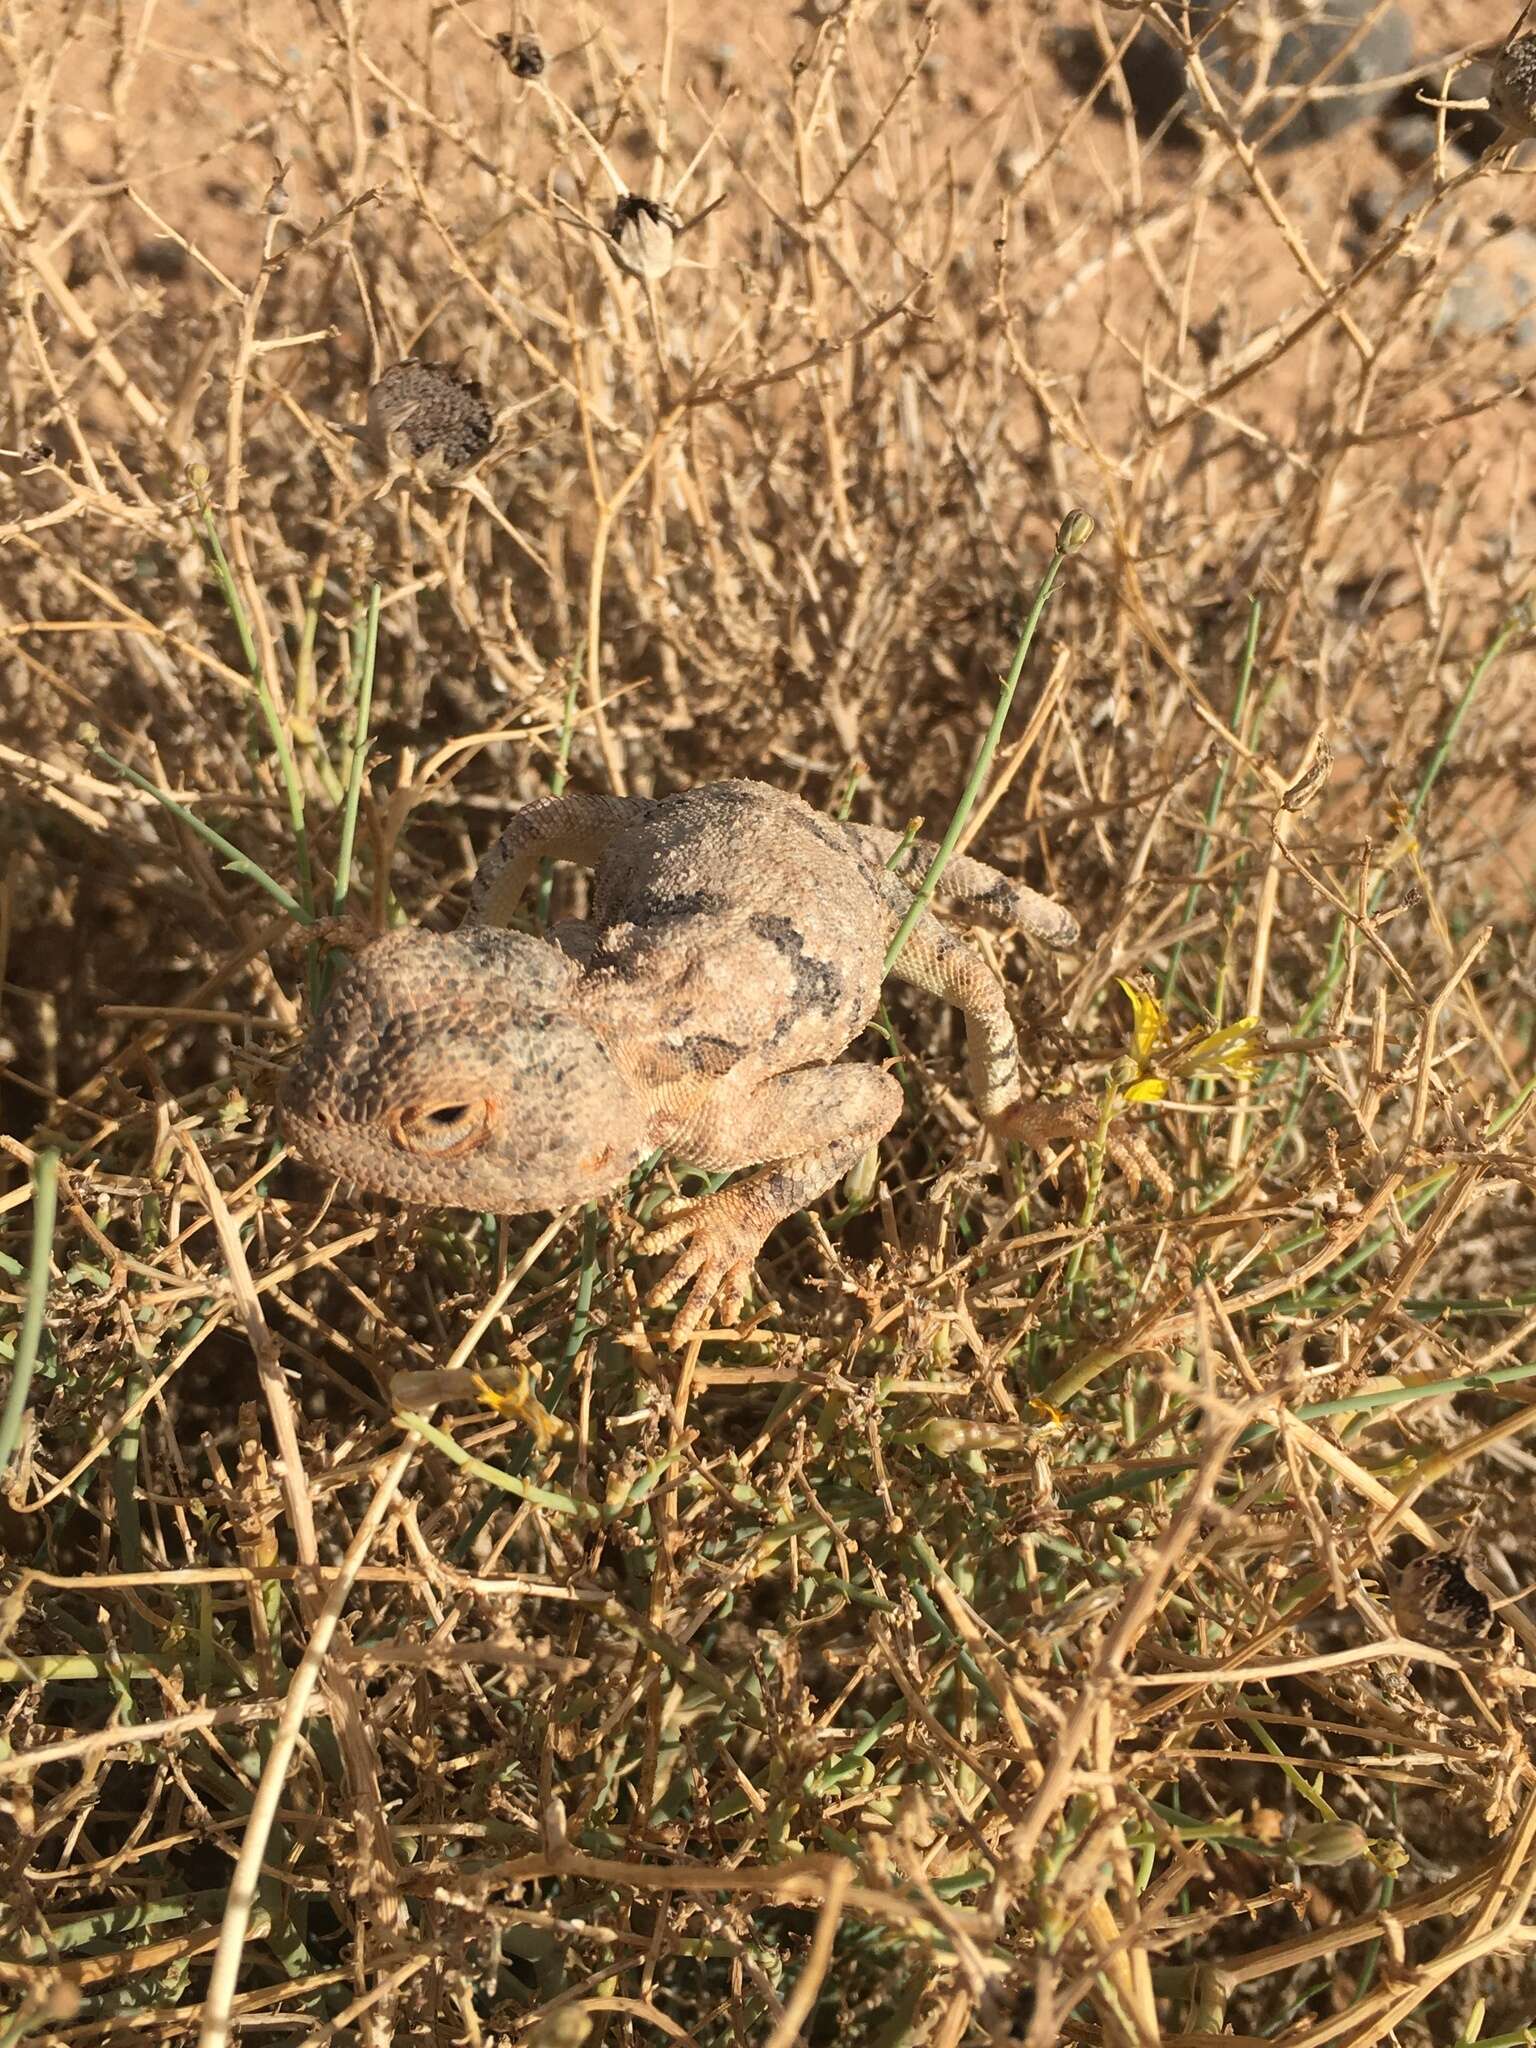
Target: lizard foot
(1077,1123)
(721,1236)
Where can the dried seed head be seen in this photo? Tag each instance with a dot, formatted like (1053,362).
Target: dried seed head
(1309,779)
(1266,1824)
(523,55)
(1512,89)
(553,1821)
(1436,1601)
(425,418)
(644,235)
(859,1184)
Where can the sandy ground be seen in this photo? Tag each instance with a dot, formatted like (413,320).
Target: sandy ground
(1152,276)
(1119,252)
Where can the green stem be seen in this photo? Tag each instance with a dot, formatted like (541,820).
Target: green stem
(1308,1411)
(557,782)
(359,756)
(1093,1190)
(1218,796)
(237,862)
(1068,538)
(293,789)
(1517,622)
(493,1475)
(45,1188)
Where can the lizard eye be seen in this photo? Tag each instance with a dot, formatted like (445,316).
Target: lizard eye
(444,1128)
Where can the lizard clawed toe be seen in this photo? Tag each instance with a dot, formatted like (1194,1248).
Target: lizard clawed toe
(1077,1123)
(1137,1161)
(719,1247)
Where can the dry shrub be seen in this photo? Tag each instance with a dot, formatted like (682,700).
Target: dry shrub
(1005,1637)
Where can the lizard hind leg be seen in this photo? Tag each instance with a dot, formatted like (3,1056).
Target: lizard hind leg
(970,887)
(939,961)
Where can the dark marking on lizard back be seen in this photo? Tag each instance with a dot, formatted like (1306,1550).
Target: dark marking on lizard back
(655,904)
(830,834)
(708,1054)
(818,987)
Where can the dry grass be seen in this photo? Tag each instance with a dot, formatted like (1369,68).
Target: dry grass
(1006,1637)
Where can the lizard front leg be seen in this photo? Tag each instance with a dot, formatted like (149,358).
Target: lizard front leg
(811,1127)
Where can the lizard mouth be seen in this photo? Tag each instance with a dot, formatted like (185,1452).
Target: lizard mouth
(319,1141)
(432,1161)
(373,1160)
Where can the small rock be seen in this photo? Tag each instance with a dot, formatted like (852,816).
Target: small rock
(1493,292)
(1154,77)
(427,419)
(1483,280)
(1475,128)
(1470,132)
(1348,94)
(1409,139)
(160,257)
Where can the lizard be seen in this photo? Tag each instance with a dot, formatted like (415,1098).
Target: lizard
(734,949)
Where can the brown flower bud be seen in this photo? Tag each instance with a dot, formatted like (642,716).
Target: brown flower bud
(522,55)
(1074,532)
(1328,1842)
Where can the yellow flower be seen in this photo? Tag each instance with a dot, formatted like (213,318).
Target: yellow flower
(1150,1088)
(1149,1027)
(1149,1022)
(1232,1052)
(1229,1053)
(519,1403)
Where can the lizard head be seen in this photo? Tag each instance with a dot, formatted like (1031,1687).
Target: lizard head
(455,1069)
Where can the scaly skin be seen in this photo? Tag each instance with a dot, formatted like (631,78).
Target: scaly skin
(735,949)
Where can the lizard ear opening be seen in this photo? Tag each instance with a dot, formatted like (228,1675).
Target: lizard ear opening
(445,1129)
